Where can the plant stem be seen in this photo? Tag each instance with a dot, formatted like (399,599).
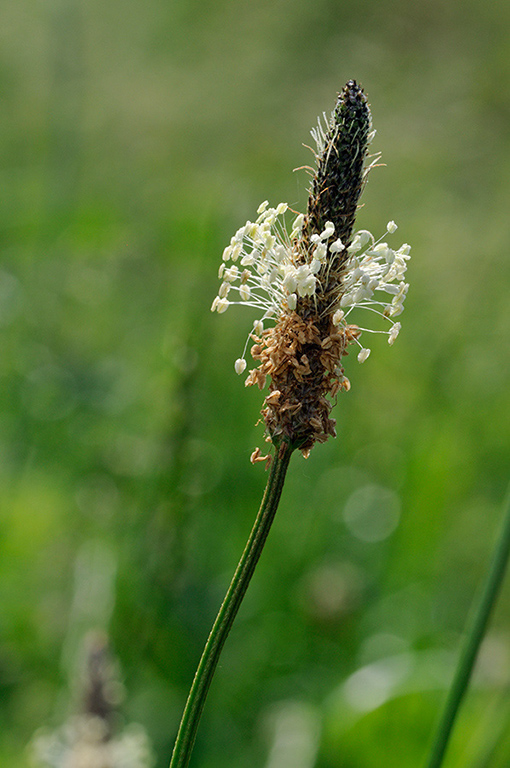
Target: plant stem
(474,635)
(229,608)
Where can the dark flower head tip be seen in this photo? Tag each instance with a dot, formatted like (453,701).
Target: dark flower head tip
(351,99)
(352,92)
(341,151)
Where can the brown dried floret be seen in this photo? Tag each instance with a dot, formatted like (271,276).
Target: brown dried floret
(256,457)
(302,357)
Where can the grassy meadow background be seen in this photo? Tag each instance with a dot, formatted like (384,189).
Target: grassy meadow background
(135,138)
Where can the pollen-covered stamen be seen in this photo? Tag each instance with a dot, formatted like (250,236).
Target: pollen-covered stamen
(395,330)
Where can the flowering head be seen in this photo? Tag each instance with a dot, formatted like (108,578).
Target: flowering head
(307,278)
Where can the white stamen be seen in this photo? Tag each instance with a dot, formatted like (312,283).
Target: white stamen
(222,305)
(337,246)
(292,301)
(394,333)
(338,317)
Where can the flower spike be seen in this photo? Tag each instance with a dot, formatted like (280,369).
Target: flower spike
(308,276)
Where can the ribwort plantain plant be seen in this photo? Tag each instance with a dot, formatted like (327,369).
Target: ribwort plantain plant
(306,280)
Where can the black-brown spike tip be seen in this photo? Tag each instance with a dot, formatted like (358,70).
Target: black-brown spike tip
(338,181)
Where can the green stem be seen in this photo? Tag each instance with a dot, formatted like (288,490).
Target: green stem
(229,608)
(474,635)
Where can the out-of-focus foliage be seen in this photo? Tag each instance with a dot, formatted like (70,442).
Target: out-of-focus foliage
(134,139)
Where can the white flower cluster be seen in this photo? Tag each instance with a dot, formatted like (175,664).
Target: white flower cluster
(266,275)
(374,266)
(266,272)
(83,742)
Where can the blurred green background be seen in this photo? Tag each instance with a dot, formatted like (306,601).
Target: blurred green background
(135,137)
